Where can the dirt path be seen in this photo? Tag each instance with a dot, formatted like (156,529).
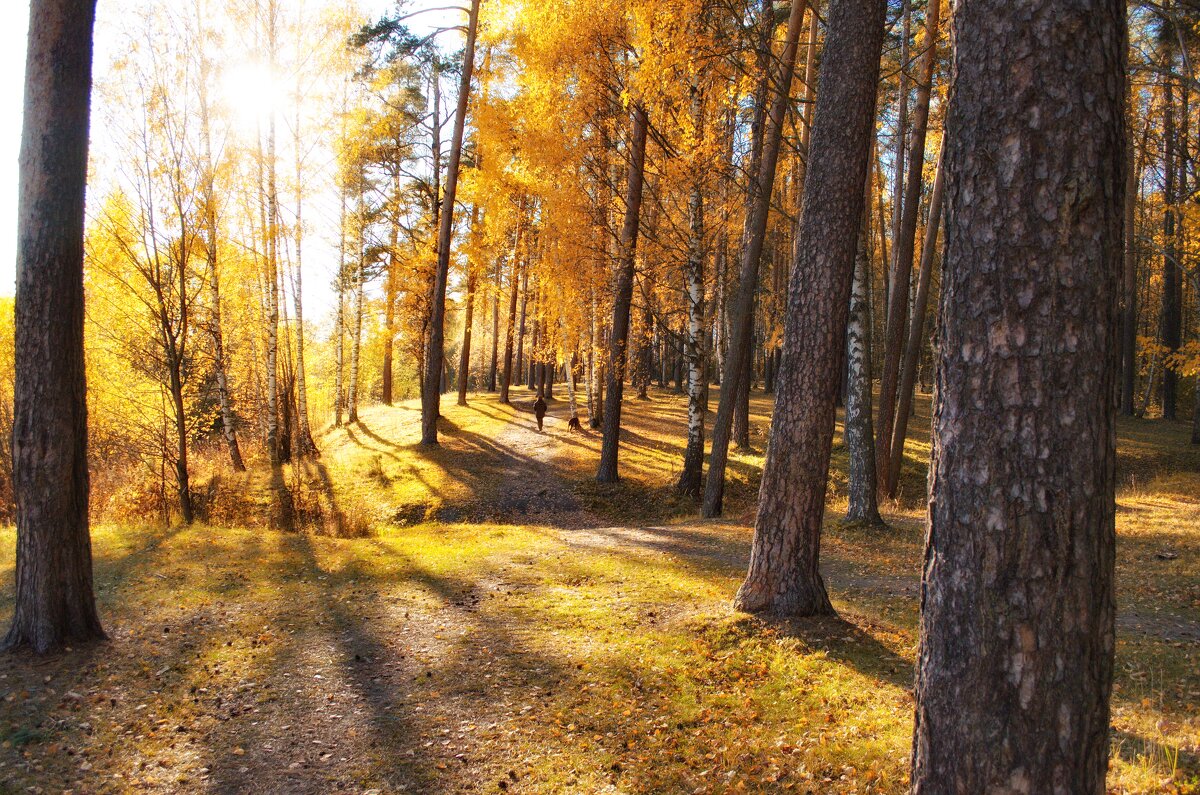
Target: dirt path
(533,489)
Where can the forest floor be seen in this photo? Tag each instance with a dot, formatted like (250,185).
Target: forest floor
(482,617)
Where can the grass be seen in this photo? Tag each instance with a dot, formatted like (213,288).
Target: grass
(482,617)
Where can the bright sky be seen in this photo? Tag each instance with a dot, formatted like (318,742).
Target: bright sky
(12,66)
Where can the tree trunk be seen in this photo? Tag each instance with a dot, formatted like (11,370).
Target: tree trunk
(356,341)
(54,604)
(903,247)
(916,336)
(272,277)
(859,436)
(754,234)
(431,400)
(464,356)
(391,289)
(783,575)
(1169,319)
(506,379)
(1129,308)
(220,370)
(623,298)
(520,365)
(492,369)
(1016,653)
(691,476)
(305,445)
(340,322)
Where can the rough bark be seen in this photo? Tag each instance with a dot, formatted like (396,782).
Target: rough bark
(54,604)
(754,234)
(783,576)
(1016,650)
(606,472)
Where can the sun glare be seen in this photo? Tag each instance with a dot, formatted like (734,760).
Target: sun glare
(250,93)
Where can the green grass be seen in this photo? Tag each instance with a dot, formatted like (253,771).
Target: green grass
(575,650)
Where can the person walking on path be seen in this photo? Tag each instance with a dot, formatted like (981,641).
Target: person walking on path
(539,409)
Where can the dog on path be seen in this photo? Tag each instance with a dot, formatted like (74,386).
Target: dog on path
(573,424)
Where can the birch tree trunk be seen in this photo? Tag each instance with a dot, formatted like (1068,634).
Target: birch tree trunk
(54,604)
(220,371)
(691,476)
(784,576)
(356,337)
(272,276)
(1016,651)
(859,436)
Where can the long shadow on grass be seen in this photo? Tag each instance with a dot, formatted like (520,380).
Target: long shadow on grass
(1138,751)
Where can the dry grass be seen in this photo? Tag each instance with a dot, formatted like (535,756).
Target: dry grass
(504,624)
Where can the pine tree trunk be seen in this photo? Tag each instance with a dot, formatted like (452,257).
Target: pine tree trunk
(493,368)
(305,445)
(1129,309)
(783,576)
(1016,653)
(623,298)
(519,367)
(754,234)
(54,604)
(590,374)
(464,356)
(506,379)
(435,360)
(903,247)
(916,336)
(1169,318)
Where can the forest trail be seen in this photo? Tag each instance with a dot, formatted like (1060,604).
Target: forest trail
(511,627)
